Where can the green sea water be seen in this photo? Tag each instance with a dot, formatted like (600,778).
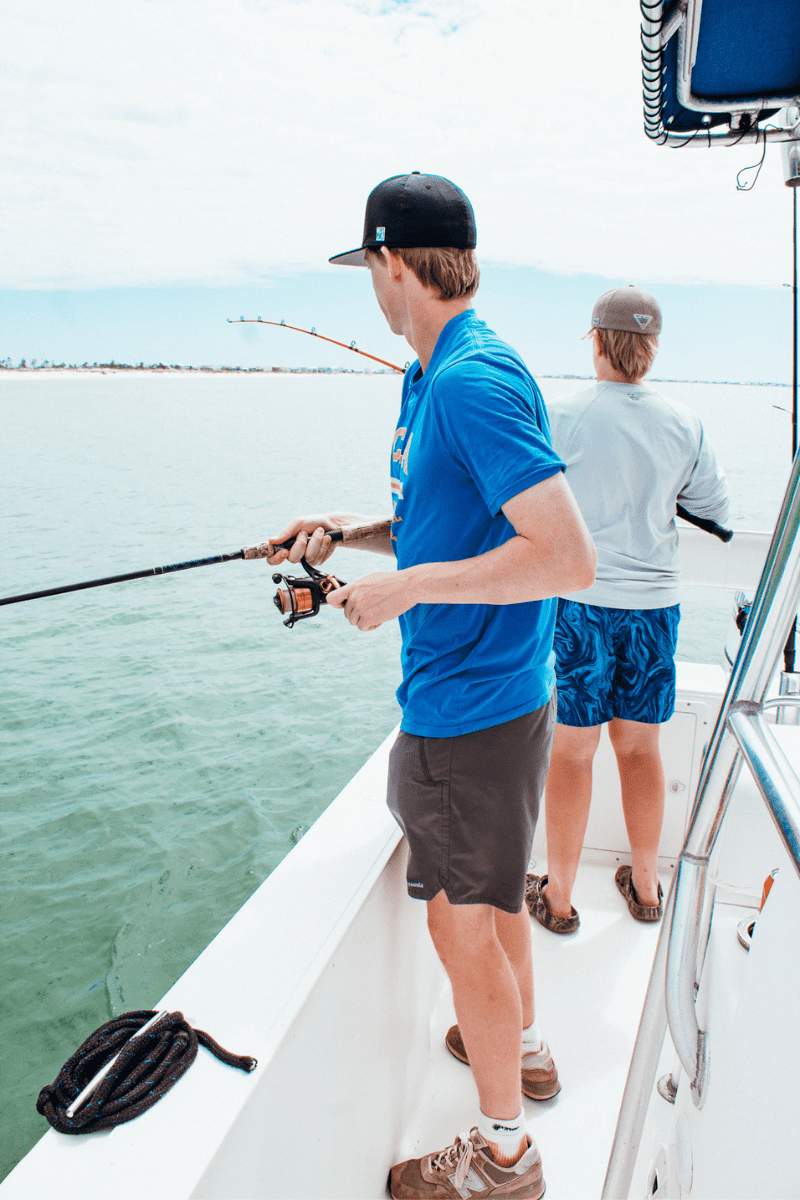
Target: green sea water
(165,742)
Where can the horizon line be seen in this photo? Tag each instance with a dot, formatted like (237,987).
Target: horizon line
(176,368)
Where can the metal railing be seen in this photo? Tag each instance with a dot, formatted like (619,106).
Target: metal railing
(740,735)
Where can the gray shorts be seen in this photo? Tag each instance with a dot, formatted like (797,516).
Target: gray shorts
(468,806)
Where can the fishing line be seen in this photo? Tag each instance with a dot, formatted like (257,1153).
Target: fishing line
(789,648)
(748,187)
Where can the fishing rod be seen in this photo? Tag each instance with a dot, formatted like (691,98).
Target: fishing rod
(299,597)
(313,333)
(704,523)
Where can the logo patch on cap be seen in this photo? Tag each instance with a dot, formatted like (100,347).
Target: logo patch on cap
(642,319)
(380,233)
(595,320)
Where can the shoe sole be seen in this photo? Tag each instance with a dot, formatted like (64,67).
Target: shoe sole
(541,1096)
(530,1094)
(403,1196)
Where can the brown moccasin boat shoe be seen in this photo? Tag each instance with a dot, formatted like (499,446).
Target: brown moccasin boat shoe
(537,907)
(539,1074)
(642,912)
(467,1169)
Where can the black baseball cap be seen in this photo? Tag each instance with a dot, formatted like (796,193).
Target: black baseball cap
(413,210)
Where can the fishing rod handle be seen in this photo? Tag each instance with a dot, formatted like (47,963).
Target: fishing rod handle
(706,524)
(354,533)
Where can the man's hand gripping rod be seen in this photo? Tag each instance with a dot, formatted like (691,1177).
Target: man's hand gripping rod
(301,597)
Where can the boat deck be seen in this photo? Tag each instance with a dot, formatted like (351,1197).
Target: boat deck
(330,942)
(605,966)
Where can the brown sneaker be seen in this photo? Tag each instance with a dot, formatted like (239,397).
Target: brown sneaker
(537,907)
(642,912)
(539,1074)
(467,1169)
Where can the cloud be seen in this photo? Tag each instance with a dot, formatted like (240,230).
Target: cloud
(222,141)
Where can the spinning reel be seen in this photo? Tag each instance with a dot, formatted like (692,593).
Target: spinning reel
(302,597)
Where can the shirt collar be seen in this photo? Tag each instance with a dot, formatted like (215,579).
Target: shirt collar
(448,335)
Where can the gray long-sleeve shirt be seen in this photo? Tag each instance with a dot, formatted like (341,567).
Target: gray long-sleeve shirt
(631,454)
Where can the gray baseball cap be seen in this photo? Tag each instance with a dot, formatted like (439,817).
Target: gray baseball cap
(627,308)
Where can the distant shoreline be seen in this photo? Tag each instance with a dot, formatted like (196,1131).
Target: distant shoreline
(114,368)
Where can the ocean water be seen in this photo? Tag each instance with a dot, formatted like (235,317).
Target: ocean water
(165,742)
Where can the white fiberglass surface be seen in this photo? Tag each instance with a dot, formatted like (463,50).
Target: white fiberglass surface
(359,1012)
(589,992)
(740,1144)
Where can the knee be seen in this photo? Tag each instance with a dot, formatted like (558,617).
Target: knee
(575,753)
(623,748)
(455,939)
(631,739)
(631,749)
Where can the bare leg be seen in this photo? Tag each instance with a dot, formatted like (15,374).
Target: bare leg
(514,933)
(568,795)
(487,999)
(641,776)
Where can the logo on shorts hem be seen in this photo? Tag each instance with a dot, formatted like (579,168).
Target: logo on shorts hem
(410,884)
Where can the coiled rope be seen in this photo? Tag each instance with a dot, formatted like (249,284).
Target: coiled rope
(147,1067)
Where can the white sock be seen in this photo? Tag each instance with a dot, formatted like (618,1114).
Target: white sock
(531,1038)
(505,1138)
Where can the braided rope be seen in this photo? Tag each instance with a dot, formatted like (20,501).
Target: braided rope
(146,1069)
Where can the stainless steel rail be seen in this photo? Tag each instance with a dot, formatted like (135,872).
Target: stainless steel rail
(739,735)
(774,776)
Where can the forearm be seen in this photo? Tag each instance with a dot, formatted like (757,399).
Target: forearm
(513,573)
(552,552)
(378,545)
(711,508)
(378,540)
(706,492)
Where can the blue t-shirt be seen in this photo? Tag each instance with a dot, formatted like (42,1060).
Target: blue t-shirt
(473,433)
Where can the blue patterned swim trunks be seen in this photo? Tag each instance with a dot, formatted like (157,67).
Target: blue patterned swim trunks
(615,662)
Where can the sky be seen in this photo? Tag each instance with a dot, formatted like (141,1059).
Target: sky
(168,164)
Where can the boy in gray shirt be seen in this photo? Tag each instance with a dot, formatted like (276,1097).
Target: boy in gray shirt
(631,454)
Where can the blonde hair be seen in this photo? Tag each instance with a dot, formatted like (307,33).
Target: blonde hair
(450,272)
(631,354)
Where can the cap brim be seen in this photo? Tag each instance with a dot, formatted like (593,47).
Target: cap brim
(351,258)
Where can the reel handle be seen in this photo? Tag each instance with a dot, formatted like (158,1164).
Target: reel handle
(302,597)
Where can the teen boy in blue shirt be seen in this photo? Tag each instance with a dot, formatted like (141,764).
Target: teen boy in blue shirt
(485,532)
